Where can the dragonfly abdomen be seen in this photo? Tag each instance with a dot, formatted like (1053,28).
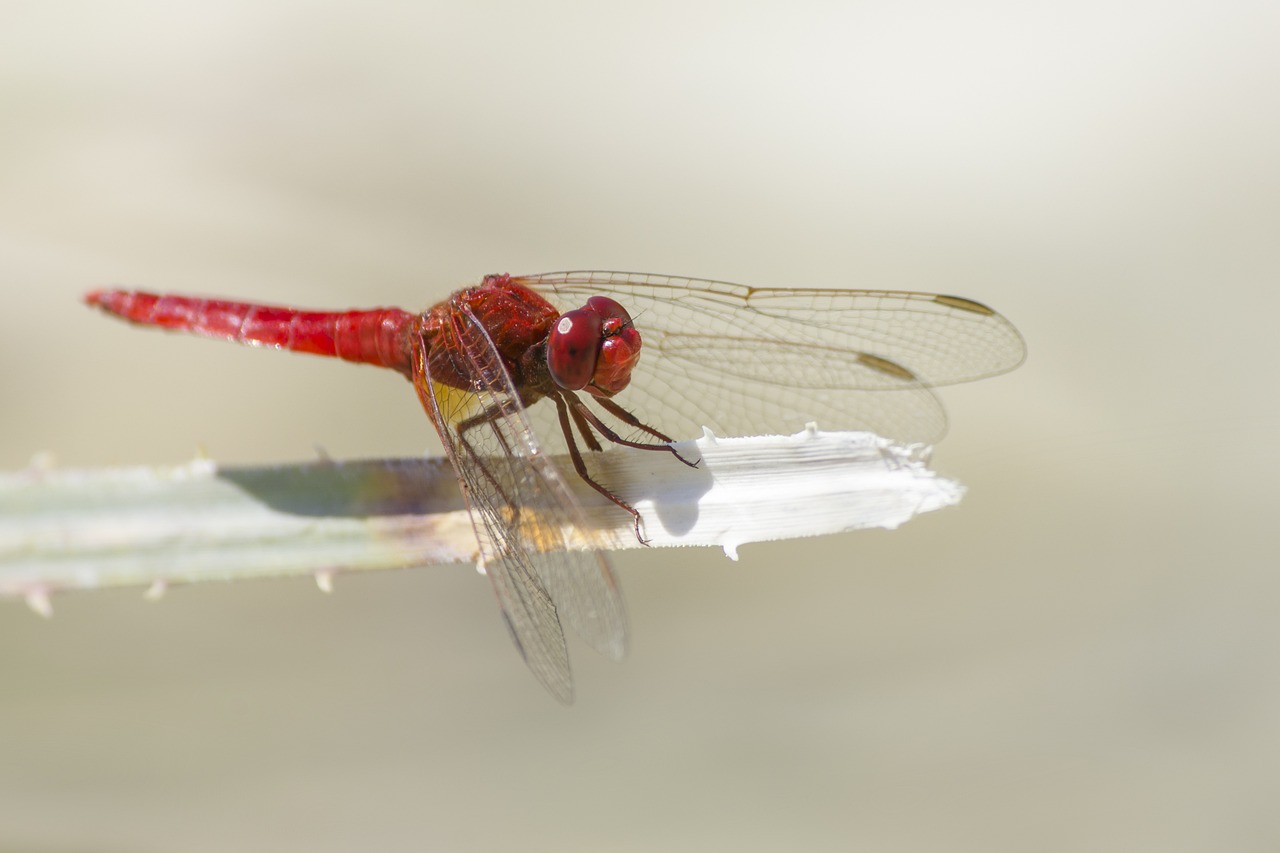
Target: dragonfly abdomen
(380,336)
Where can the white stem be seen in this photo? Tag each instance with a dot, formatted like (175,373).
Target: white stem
(156,526)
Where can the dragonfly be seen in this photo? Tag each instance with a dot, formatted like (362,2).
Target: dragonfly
(516,366)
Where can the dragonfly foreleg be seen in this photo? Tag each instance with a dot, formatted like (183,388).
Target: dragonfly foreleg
(580,410)
(584,429)
(580,465)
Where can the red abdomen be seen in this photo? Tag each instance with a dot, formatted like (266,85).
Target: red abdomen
(381,336)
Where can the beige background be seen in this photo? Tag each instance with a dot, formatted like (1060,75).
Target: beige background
(1082,656)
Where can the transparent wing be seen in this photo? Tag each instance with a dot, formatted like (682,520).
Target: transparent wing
(747,361)
(521,510)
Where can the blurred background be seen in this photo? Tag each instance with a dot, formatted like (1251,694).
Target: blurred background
(1081,656)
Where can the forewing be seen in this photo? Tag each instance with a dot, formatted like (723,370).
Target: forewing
(746,361)
(521,509)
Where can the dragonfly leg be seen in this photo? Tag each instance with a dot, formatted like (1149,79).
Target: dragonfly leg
(489,415)
(629,419)
(584,429)
(431,404)
(580,409)
(579,465)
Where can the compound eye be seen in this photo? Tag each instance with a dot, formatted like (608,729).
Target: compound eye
(608,309)
(573,346)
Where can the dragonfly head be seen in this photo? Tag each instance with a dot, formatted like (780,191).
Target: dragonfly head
(593,348)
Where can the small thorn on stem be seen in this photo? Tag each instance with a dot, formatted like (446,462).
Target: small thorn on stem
(38,600)
(324,580)
(156,591)
(42,462)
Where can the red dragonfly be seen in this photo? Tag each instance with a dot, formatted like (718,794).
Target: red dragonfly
(739,360)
